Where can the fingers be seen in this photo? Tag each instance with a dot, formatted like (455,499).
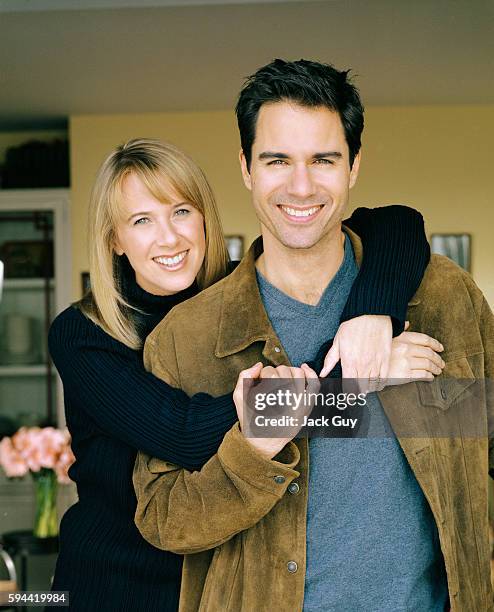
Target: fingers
(313,382)
(308,371)
(411,351)
(422,352)
(245,381)
(246,377)
(298,379)
(252,372)
(331,359)
(425,365)
(294,377)
(407,325)
(421,339)
(268,372)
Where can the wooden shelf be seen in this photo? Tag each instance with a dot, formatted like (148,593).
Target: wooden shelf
(24,370)
(26,283)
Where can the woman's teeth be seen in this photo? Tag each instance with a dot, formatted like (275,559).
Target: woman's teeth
(171,261)
(300,213)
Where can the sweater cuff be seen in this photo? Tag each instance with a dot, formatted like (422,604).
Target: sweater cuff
(270,475)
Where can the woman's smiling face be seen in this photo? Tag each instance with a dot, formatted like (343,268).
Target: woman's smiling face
(164,243)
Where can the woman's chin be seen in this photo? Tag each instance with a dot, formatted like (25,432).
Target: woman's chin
(175,285)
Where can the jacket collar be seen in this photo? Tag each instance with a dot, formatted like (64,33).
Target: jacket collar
(243,319)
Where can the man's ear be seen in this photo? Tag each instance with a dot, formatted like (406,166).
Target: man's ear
(355,169)
(245,170)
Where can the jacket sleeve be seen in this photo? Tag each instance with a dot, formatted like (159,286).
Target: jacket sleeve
(396,254)
(186,512)
(106,381)
(486,324)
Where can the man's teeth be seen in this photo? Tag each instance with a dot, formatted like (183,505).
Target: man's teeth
(171,261)
(300,213)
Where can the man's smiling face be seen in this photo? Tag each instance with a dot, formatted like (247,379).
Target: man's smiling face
(300,174)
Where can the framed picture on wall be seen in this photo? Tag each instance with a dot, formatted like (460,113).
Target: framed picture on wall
(455,246)
(235,246)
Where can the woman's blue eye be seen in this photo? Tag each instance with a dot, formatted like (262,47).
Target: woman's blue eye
(141,220)
(182,211)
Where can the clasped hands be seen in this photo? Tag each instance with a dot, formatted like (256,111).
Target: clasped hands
(368,353)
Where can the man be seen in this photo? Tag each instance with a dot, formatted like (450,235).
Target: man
(376,525)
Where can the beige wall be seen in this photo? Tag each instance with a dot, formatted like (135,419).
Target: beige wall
(437,159)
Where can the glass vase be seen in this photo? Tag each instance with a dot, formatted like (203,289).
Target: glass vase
(46,521)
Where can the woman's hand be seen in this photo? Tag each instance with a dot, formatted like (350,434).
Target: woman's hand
(293,380)
(363,345)
(415,355)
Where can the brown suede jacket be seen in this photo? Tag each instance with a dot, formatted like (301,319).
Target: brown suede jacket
(238,521)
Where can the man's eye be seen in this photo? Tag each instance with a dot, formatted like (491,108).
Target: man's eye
(141,221)
(277,162)
(323,161)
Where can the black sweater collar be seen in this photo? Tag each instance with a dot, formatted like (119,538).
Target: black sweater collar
(153,307)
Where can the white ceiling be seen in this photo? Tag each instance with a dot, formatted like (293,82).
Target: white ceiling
(125,56)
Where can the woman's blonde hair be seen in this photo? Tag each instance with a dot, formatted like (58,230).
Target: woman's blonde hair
(161,167)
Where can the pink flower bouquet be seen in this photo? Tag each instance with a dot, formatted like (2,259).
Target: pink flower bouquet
(33,448)
(46,454)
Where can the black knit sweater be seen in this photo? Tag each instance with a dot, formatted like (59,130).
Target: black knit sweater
(114,408)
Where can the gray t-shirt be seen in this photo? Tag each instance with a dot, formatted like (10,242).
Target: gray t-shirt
(372,543)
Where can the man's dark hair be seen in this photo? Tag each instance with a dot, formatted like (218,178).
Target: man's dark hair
(308,84)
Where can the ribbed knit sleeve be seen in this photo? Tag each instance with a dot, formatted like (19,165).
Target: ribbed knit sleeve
(396,254)
(106,380)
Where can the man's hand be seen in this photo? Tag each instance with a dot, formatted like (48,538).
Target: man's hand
(415,355)
(363,345)
(296,380)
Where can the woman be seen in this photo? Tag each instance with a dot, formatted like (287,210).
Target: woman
(151,202)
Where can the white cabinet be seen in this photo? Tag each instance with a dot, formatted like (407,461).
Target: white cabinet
(34,231)
(35,249)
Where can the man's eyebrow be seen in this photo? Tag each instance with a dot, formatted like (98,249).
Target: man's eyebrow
(273,154)
(324,154)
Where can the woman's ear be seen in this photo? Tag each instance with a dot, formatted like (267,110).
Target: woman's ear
(117,248)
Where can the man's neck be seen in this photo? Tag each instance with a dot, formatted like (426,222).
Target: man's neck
(303,274)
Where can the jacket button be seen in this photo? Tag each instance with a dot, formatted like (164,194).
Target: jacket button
(277,349)
(292,566)
(279,479)
(293,488)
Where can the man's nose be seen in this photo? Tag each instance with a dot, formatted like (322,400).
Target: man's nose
(301,184)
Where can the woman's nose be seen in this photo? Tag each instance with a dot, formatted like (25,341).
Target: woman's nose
(166,235)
